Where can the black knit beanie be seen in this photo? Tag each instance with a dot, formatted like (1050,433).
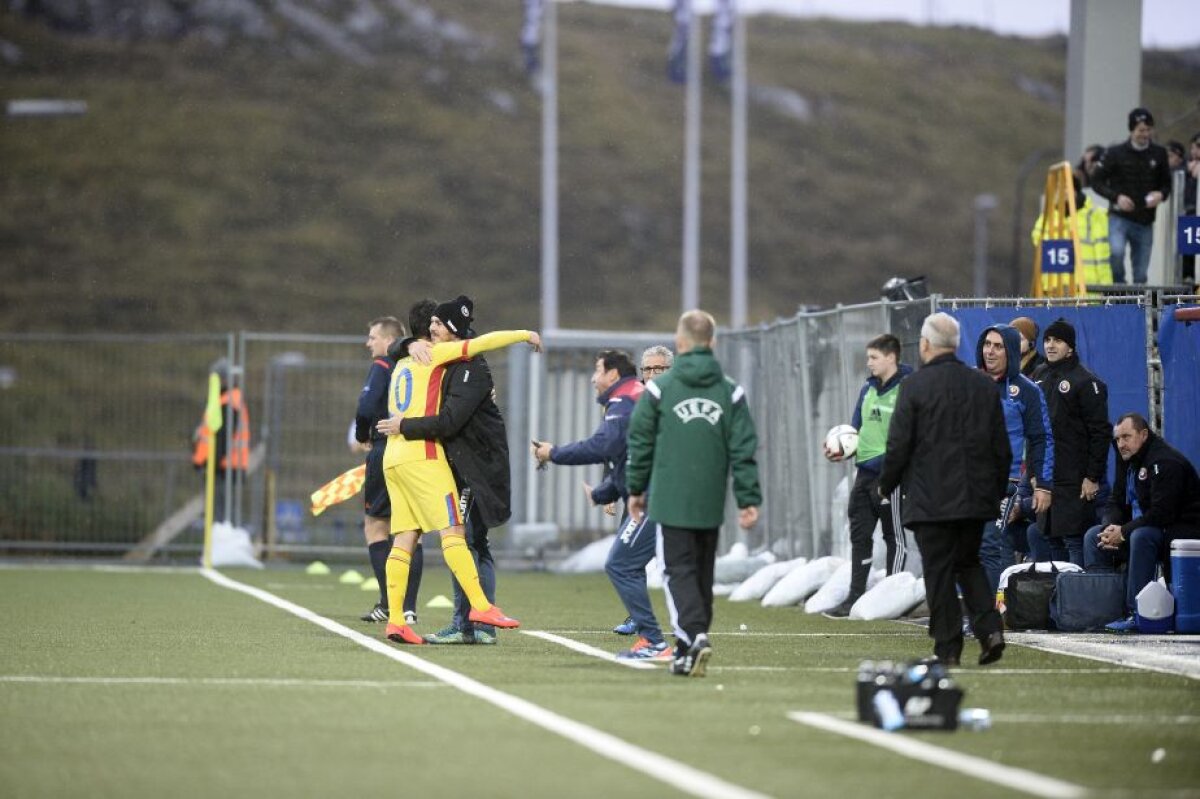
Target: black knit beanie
(456,315)
(1060,329)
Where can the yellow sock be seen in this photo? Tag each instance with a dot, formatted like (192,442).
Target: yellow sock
(458,558)
(398,564)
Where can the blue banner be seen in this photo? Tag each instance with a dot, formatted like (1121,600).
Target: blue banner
(1058,257)
(1110,341)
(1179,348)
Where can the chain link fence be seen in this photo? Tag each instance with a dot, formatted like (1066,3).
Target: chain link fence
(95,432)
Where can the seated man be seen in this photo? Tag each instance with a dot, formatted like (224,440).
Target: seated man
(1155,499)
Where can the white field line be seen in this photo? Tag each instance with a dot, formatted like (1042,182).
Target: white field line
(588,650)
(218,681)
(655,766)
(736,633)
(1018,779)
(956,672)
(1081,718)
(1134,657)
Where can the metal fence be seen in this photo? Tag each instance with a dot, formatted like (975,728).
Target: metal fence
(94,432)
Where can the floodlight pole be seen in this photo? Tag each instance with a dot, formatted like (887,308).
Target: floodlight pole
(549,81)
(738,240)
(691,169)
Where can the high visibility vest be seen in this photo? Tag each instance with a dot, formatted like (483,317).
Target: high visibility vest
(239,455)
(1092,226)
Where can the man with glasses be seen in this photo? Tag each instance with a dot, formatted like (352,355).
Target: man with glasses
(617,390)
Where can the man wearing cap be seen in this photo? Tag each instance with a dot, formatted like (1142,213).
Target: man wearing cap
(471,428)
(1077,402)
(1155,499)
(1134,177)
(1031,359)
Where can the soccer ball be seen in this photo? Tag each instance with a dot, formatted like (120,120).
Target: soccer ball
(842,440)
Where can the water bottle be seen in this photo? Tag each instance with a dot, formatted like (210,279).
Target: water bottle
(891,717)
(975,719)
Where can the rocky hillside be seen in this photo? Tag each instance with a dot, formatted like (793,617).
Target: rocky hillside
(307,164)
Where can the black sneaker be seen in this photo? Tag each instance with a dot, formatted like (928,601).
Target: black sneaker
(842,611)
(693,662)
(377,613)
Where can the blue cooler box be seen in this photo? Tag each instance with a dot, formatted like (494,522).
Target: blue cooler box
(1185,584)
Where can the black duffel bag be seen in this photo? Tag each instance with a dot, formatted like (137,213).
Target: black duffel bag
(1027,598)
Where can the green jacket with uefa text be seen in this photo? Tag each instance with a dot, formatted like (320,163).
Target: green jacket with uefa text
(690,430)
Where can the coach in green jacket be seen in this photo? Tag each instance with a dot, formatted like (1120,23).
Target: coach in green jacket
(689,430)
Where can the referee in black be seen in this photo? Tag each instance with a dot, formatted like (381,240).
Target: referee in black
(948,450)
(377,517)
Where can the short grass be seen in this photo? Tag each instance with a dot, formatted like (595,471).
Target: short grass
(252,701)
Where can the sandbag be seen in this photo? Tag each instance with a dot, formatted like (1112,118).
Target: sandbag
(733,568)
(836,589)
(758,584)
(589,559)
(231,546)
(891,598)
(801,583)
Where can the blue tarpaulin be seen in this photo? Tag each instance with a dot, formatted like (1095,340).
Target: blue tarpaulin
(1179,348)
(1110,340)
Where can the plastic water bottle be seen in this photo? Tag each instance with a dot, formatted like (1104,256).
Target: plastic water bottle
(891,717)
(975,719)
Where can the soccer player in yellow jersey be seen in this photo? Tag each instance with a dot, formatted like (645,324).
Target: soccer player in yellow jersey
(420,485)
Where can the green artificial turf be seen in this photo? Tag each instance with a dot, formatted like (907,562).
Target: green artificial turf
(253,701)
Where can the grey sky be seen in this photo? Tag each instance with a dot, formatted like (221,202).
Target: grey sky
(1166,24)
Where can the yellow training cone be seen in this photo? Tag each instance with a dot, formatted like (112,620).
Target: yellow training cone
(368,585)
(350,577)
(317,569)
(439,601)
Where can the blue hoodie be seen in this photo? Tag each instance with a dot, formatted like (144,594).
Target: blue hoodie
(1025,413)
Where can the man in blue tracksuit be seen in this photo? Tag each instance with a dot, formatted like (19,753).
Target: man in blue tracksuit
(617,390)
(998,353)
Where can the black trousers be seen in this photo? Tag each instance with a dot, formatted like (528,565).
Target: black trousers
(688,557)
(865,509)
(950,553)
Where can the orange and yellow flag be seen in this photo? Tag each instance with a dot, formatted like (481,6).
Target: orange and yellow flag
(339,489)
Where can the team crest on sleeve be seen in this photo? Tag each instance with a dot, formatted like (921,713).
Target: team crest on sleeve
(698,408)
(1014,390)
(1064,387)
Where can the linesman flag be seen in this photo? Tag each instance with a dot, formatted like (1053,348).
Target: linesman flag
(339,489)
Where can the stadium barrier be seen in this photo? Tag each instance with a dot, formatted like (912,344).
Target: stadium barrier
(95,430)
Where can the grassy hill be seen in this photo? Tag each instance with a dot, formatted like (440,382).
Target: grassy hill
(235,182)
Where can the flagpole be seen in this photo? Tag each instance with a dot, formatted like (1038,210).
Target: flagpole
(549,81)
(738,240)
(691,174)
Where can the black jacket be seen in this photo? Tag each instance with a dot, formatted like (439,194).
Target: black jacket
(1134,173)
(947,445)
(471,430)
(1077,402)
(1167,491)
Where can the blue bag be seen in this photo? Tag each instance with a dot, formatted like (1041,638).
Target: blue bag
(1086,601)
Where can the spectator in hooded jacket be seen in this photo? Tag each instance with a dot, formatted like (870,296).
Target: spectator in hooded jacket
(1077,403)
(1155,499)
(1134,177)
(1030,438)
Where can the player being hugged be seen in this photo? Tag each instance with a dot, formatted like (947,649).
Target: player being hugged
(867,436)
(420,484)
